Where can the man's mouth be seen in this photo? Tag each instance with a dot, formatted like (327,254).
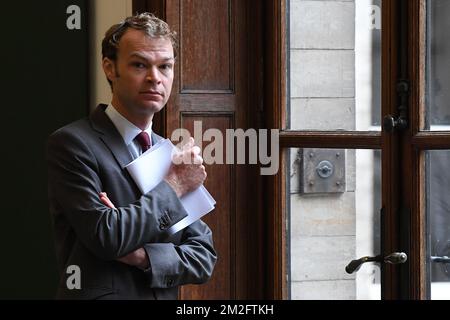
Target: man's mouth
(152,92)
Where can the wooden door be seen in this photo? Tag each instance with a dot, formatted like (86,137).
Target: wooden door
(218,83)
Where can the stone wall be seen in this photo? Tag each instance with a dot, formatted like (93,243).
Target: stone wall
(322,89)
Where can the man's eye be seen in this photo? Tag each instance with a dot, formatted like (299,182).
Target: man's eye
(139,65)
(166,66)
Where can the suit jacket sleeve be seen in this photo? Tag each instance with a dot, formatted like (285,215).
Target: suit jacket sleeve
(190,262)
(74,187)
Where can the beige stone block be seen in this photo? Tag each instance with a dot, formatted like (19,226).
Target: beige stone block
(322,25)
(321,258)
(322,74)
(323,214)
(323,114)
(324,290)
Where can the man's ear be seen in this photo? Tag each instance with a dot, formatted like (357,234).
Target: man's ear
(109,68)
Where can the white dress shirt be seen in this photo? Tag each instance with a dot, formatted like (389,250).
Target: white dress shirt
(127,130)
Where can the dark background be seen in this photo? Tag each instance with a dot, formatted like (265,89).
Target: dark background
(44,86)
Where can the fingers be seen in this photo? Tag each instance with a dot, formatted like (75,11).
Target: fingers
(202,167)
(195,156)
(105,200)
(195,151)
(123,260)
(190,154)
(197,160)
(189,144)
(203,173)
(177,158)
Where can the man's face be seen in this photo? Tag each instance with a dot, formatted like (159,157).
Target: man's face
(142,76)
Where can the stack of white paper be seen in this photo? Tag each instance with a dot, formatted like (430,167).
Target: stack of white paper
(150,169)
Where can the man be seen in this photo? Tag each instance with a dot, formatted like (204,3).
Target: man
(115,235)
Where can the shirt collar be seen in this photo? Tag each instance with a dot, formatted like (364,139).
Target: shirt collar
(127,130)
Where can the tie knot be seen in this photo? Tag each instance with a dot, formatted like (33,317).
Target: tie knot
(144,140)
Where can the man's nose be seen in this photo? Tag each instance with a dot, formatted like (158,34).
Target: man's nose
(153,75)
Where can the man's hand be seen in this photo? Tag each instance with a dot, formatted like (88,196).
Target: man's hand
(104,198)
(137,258)
(187,172)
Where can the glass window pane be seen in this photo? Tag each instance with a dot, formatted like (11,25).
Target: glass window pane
(438,216)
(335,65)
(334,198)
(437,115)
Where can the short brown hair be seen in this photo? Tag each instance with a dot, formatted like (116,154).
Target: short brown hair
(147,22)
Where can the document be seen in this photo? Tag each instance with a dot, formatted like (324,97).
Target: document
(150,169)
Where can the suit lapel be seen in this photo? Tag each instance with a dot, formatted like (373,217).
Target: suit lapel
(155,138)
(110,136)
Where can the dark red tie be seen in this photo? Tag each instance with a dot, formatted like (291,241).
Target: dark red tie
(144,140)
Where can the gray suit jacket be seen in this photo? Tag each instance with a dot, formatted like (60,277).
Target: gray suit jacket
(88,157)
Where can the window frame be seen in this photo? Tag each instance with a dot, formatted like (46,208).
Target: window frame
(403,193)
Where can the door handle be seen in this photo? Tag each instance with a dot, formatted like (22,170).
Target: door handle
(438,259)
(393,258)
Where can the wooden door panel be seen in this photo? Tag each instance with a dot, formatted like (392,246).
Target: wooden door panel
(220,184)
(202,89)
(205,34)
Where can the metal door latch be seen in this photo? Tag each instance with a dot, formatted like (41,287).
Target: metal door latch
(390,122)
(322,170)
